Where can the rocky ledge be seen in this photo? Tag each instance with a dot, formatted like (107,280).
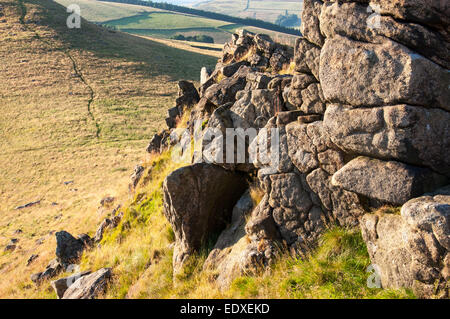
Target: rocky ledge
(362,112)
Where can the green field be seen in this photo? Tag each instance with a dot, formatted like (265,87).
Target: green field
(164,20)
(167,24)
(147,21)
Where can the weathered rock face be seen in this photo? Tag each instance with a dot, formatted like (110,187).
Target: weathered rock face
(356,21)
(61,285)
(405,133)
(307,58)
(381,74)
(310,22)
(389,182)
(362,122)
(248,244)
(258,50)
(225,91)
(89,286)
(430,13)
(251,110)
(198,202)
(53,269)
(317,159)
(69,248)
(412,250)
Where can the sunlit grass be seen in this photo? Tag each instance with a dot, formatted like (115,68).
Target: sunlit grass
(48,136)
(335,270)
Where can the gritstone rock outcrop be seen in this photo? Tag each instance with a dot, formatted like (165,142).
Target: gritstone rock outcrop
(363,121)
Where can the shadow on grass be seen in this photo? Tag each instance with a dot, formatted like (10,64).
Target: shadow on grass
(154,58)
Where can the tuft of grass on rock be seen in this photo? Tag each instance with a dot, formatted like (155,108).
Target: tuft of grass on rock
(256,194)
(335,270)
(389,210)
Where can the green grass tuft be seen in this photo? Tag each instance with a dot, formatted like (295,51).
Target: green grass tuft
(336,270)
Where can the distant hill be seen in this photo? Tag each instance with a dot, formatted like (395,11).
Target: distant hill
(165,24)
(267,10)
(247,21)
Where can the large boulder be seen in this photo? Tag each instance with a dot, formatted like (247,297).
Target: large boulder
(412,250)
(68,248)
(89,286)
(225,91)
(357,21)
(410,134)
(310,21)
(381,74)
(226,257)
(187,95)
(387,181)
(61,285)
(198,202)
(53,269)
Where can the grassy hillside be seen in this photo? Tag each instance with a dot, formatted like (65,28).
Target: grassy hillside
(97,11)
(77,106)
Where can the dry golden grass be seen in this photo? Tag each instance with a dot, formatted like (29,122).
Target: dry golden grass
(101,11)
(256,194)
(58,127)
(288,69)
(196,47)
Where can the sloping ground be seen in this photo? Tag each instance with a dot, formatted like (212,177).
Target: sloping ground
(99,11)
(77,106)
(162,24)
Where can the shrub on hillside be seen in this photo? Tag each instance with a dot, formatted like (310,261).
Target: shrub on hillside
(195,38)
